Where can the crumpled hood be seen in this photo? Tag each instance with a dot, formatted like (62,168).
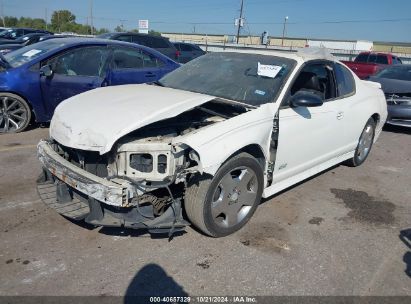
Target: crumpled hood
(96,119)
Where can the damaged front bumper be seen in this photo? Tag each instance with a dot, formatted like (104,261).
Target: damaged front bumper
(80,195)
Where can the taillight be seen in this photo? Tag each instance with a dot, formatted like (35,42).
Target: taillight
(178,54)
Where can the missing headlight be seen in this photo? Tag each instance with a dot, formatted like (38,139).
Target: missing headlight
(142,162)
(162,163)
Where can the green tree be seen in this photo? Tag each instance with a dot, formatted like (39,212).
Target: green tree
(62,20)
(10,21)
(119,28)
(155,33)
(102,31)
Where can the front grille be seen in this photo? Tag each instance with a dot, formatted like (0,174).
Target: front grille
(90,161)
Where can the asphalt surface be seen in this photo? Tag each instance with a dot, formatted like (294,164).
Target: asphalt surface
(335,234)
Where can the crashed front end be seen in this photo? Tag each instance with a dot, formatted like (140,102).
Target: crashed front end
(77,185)
(139,183)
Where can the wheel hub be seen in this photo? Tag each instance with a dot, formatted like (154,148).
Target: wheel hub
(233,196)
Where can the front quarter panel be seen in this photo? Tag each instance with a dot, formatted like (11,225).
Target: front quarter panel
(215,144)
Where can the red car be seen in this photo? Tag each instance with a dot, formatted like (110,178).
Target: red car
(368,63)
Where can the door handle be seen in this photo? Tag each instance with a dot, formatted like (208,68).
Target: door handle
(340,115)
(150,74)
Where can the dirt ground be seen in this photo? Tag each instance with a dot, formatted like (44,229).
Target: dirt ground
(343,232)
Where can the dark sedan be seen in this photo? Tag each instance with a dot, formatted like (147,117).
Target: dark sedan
(188,51)
(396,84)
(36,78)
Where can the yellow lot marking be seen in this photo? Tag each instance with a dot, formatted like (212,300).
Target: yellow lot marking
(20,147)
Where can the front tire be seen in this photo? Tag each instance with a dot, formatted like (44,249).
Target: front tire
(223,204)
(364,144)
(15,113)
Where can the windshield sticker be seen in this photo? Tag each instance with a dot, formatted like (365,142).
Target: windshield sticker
(31,53)
(266,70)
(259,92)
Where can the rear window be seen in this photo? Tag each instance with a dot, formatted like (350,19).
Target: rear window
(159,43)
(382,59)
(186,48)
(153,42)
(361,58)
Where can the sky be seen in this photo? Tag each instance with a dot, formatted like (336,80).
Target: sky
(375,20)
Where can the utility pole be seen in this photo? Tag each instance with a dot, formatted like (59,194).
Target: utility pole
(2,14)
(45,16)
(240,21)
(91,18)
(285,24)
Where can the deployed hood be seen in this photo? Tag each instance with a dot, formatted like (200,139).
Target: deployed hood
(393,86)
(95,120)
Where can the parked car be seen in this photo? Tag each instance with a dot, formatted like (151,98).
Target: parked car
(368,63)
(213,137)
(188,51)
(29,39)
(36,78)
(161,44)
(396,84)
(14,33)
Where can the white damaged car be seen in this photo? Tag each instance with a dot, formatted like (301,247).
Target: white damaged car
(208,141)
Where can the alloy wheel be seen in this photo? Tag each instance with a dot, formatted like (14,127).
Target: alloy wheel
(13,114)
(234,197)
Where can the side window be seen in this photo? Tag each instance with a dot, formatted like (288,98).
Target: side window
(186,48)
(361,58)
(151,61)
(177,45)
(372,58)
(127,59)
(125,38)
(345,81)
(382,59)
(87,61)
(159,43)
(142,40)
(317,78)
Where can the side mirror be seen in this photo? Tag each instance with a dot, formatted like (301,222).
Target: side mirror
(46,71)
(306,99)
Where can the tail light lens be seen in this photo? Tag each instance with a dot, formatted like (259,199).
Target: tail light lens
(178,54)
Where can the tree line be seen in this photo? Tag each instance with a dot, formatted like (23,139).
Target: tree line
(61,21)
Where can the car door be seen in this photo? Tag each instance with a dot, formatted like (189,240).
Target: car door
(354,109)
(73,72)
(133,65)
(309,136)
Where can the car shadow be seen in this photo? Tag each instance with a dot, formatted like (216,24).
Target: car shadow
(405,236)
(152,281)
(397,129)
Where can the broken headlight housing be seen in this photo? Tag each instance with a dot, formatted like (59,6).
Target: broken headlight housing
(148,159)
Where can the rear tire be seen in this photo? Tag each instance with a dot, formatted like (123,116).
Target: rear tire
(15,113)
(364,145)
(223,204)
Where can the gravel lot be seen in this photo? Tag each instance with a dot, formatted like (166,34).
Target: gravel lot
(335,234)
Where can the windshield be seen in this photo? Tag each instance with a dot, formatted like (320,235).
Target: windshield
(28,53)
(8,34)
(402,72)
(249,78)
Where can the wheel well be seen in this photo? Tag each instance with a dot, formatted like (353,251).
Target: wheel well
(254,150)
(376,118)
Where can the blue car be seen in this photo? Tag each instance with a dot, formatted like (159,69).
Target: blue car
(36,78)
